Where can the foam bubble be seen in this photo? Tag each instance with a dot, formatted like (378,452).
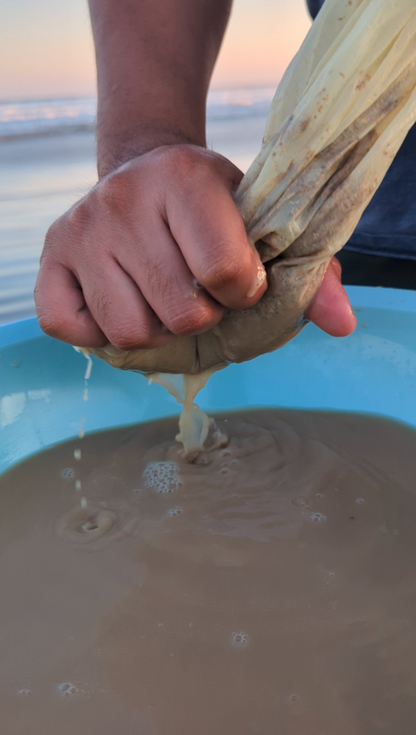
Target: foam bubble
(318,517)
(24,692)
(163,476)
(359,501)
(66,689)
(174,511)
(240,640)
(68,473)
(224,471)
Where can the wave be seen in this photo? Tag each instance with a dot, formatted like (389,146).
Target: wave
(33,118)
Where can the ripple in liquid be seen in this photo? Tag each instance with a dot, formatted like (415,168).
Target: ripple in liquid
(89,526)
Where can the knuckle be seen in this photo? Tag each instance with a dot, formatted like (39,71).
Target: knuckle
(51,234)
(130,337)
(67,233)
(115,192)
(102,303)
(192,163)
(184,322)
(185,159)
(53,238)
(77,218)
(223,270)
(53,323)
(41,290)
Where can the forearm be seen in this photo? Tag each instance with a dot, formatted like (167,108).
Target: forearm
(154,63)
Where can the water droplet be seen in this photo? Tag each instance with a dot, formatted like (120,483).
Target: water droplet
(24,692)
(77,454)
(359,501)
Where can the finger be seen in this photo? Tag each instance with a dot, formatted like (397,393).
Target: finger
(61,309)
(120,309)
(214,242)
(331,310)
(168,285)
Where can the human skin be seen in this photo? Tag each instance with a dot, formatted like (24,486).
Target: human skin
(157,248)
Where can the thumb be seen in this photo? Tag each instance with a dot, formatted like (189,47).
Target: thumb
(331,310)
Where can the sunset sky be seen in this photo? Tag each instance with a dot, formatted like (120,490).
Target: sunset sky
(46,46)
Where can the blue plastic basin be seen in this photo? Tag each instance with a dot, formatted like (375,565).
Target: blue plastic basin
(373,371)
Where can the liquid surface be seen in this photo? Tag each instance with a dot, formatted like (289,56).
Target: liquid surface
(268,589)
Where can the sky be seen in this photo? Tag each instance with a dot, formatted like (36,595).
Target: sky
(46,46)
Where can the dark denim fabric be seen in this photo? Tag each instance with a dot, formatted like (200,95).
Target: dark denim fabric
(388,225)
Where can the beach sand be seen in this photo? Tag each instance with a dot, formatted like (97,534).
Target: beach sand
(43,176)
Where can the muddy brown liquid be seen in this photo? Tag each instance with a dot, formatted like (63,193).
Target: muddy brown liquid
(270,590)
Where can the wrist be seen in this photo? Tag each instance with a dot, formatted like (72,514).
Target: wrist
(116,148)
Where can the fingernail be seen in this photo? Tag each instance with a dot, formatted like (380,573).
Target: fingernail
(258,281)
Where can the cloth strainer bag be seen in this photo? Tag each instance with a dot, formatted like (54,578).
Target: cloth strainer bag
(339,116)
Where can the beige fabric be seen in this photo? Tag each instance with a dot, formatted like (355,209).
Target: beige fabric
(339,116)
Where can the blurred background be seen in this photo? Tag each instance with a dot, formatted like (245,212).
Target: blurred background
(47,115)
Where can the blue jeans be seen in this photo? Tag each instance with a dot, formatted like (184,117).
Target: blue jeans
(376,270)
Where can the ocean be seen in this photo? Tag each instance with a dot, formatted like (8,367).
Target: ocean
(47,162)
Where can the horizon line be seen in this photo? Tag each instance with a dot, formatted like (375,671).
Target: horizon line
(54,98)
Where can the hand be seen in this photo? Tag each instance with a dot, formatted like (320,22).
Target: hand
(156,249)
(159,249)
